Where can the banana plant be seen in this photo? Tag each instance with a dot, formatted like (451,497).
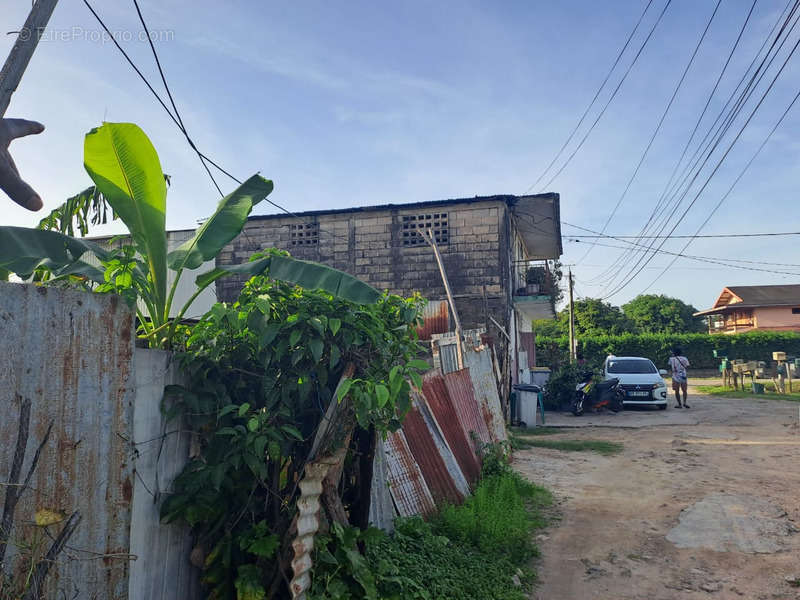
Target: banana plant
(126,170)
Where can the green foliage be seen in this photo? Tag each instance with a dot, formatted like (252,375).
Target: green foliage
(89,207)
(261,374)
(127,172)
(697,347)
(495,519)
(592,317)
(644,314)
(656,313)
(560,388)
(470,551)
(125,167)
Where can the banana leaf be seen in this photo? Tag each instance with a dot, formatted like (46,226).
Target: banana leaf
(224,225)
(125,167)
(23,250)
(309,275)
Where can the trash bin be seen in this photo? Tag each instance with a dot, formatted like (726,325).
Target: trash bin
(758,388)
(527,403)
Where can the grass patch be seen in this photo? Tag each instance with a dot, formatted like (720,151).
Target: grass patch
(536,431)
(465,552)
(599,446)
(723,392)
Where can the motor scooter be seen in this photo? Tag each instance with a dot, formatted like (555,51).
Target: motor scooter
(591,395)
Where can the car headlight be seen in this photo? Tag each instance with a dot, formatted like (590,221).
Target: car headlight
(661,384)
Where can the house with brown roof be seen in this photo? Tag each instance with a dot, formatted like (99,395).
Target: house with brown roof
(748,307)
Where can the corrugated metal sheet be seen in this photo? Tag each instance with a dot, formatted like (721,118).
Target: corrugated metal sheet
(70,353)
(436,319)
(426,453)
(438,399)
(409,490)
(162,568)
(462,397)
(448,357)
(484,384)
(381,509)
(437,435)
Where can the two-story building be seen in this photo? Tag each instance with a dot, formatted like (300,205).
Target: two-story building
(744,308)
(495,251)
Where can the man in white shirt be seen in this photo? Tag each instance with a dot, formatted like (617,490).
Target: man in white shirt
(679,364)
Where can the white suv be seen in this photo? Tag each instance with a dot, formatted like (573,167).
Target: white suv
(639,379)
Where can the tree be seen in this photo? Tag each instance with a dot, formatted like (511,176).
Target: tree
(655,313)
(592,317)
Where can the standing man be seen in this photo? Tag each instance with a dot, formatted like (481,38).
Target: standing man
(678,365)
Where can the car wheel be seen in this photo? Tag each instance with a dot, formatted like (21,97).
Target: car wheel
(662,406)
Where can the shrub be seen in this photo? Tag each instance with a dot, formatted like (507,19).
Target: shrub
(560,388)
(698,347)
(469,551)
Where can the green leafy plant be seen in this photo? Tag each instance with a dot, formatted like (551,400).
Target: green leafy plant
(261,374)
(126,170)
(697,347)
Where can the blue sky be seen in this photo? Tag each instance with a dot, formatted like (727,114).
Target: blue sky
(357,103)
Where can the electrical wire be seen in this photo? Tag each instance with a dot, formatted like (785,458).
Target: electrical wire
(594,99)
(724,156)
(740,104)
(176,118)
(730,189)
(608,102)
(700,258)
(660,202)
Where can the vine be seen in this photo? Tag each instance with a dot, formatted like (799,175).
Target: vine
(261,373)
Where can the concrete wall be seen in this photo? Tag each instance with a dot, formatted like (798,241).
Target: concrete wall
(369,245)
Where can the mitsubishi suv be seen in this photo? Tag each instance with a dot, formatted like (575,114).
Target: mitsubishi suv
(639,379)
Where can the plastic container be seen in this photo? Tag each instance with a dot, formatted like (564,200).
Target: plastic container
(758,388)
(527,403)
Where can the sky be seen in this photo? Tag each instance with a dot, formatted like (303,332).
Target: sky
(358,103)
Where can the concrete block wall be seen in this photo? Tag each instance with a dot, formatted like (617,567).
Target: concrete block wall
(368,244)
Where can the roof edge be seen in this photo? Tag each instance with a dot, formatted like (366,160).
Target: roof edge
(507,199)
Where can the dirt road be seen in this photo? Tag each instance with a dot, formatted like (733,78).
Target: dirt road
(702,503)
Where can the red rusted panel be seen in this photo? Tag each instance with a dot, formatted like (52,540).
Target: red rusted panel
(462,396)
(438,399)
(436,319)
(527,342)
(443,488)
(409,490)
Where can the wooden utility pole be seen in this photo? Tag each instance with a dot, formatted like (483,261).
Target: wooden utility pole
(571,319)
(22,51)
(428,236)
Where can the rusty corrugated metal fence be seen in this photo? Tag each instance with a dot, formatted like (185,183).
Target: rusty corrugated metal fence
(434,458)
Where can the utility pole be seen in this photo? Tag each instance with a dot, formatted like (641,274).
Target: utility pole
(571,319)
(428,236)
(22,51)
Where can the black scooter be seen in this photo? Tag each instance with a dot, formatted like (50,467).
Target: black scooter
(596,396)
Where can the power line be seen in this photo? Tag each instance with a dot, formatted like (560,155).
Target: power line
(631,274)
(728,192)
(594,99)
(658,125)
(608,102)
(176,118)
(656,213)
(695,257)
(677,237)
